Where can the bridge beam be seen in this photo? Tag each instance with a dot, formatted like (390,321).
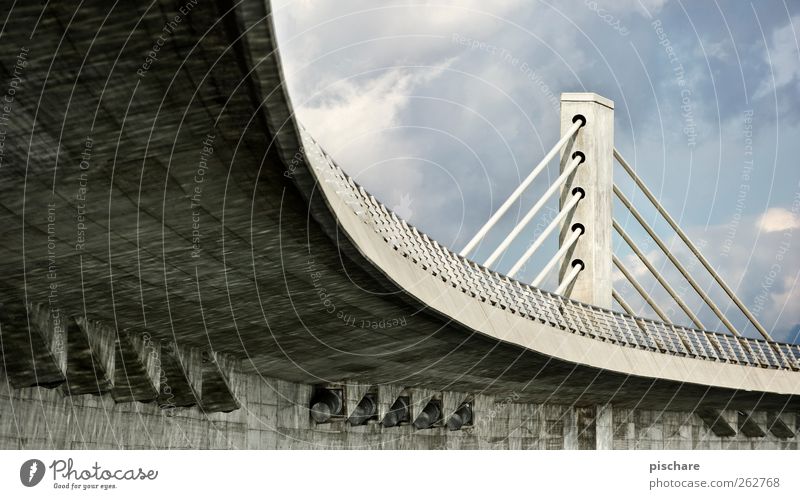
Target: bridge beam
(387,395)
(596,141)
(777,426)
(222,383)
(137,367)
(181,381)
(91,346)
(32,345)
(749,426)
(716,422)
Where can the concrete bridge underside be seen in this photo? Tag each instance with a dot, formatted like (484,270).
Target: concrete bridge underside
(169,203)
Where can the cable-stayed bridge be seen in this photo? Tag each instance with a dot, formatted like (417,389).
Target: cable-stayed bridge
(184,266)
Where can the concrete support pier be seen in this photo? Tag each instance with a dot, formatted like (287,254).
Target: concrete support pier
(275,414)
(596,141)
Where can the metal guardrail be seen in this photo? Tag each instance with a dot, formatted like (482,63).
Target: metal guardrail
(541,306)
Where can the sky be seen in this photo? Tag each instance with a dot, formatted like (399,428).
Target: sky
(441,108)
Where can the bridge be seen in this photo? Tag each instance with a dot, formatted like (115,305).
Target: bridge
(184,266)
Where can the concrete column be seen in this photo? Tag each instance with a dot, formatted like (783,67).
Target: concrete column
(570,419)
(604,427)
(596,141)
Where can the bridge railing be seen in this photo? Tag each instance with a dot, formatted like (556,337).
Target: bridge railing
(541,306)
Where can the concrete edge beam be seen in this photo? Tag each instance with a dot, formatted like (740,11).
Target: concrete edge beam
(32,346)
(354,392)
(419,399)
(222,384)
(715,421)
(777,426)
(451,401)
(51,327)
(748,425)
(91,346)
(181,376)
(387,395)
(138,368)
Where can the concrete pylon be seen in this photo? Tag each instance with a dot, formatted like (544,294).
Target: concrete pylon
(596,141)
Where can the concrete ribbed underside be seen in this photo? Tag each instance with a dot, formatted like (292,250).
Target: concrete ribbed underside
(268,240)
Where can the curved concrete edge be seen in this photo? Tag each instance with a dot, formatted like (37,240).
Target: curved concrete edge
(264,58)
(548,340)
(485,319)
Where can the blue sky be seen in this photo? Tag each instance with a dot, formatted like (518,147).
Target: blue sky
(440,108)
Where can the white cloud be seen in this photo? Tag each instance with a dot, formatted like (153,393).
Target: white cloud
(778,220)
(652,6)
(720,50)
(353,119)
(350,107)
(437,15)
(761,268)
(640,7)
(784,59)
(635,266)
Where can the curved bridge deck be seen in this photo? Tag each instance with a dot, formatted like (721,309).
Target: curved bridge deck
(526,301)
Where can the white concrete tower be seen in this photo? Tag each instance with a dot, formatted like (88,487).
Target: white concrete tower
(593,249)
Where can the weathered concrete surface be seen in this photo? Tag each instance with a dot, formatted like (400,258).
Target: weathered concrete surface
(181,381)
(137,364)
(171,198)
(125,157)
(275,415)
(33,347)
(595,176)
(91,356)
(717,422)
(222,384)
